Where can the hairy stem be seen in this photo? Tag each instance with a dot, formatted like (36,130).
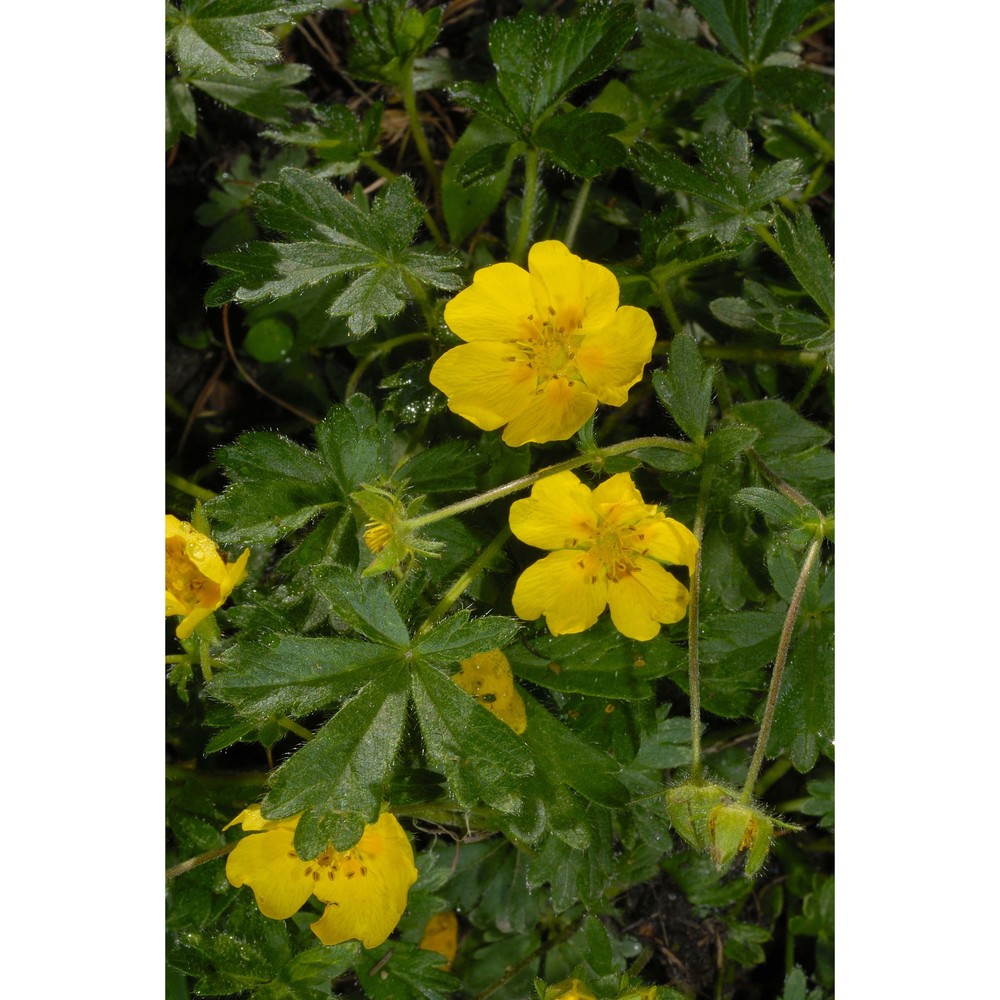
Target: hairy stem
(571,463)
(459,587)
(694,670)
(519,252)
(417,130)
(577,214)
(784,641)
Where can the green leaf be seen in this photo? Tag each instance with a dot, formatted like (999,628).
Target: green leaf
(277,486)
(335,134)
(794,88)
(269,340)
(364,604)
(598,947)
(336,780)
(181,113)
(726,181)
(568,760)
(387,36)
(459,637)
(333,236)
(783,431)
(600,663)
(805,253)
(295,676)
(775,21)
(228,36)
(479,754)
(820,802)
(582,142)
(447,468)
(743,943)
(666,63)
(267,95)
(685,388)
(770,503)
(540,59)
(487,162)
(803,719)
(399,970)
(469,203)
(729,21)
(728,442)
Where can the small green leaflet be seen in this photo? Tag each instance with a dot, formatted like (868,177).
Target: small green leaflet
(228,36)
(329,235)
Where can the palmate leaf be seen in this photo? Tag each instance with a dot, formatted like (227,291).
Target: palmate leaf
(336,780)
(331,235)
(387,34)
(228,36)
(736,197)
(268,95)
(751,62)
(541,59)
(277,486)
(399,970)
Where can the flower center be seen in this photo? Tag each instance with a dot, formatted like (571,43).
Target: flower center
(184,580)
(551,343)
(331,863)
(617,544)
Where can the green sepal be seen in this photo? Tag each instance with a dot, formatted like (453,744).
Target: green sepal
(689,806)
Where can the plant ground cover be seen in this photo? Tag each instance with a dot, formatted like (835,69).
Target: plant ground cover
(500,371)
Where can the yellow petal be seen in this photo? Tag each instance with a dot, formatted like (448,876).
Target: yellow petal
(235,572)
(667,540)
(251,819)
(618,489)
(558,514)
(568,587)
(643,599)
(555,413)
(267,862)
(489,679)
(494,307)
(611,359)
(578,292)
(441,935)
(191,622)
(368,896)
(487,383)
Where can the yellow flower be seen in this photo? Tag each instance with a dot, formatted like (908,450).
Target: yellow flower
(569,989)
(543,346)
(198,578)
(607,548)
(365,887)
(488,678)
(441,935)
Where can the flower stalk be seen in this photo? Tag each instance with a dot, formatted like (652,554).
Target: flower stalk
(784,641)
(528,200)
(516,485)
(694,668)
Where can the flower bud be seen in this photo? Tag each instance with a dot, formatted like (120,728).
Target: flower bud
(387,534)
(689,806)
(734,828)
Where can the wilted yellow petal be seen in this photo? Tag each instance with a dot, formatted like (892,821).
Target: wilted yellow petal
(488,678)
(559,514)
(441,935)
(487,383)
(568,587)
